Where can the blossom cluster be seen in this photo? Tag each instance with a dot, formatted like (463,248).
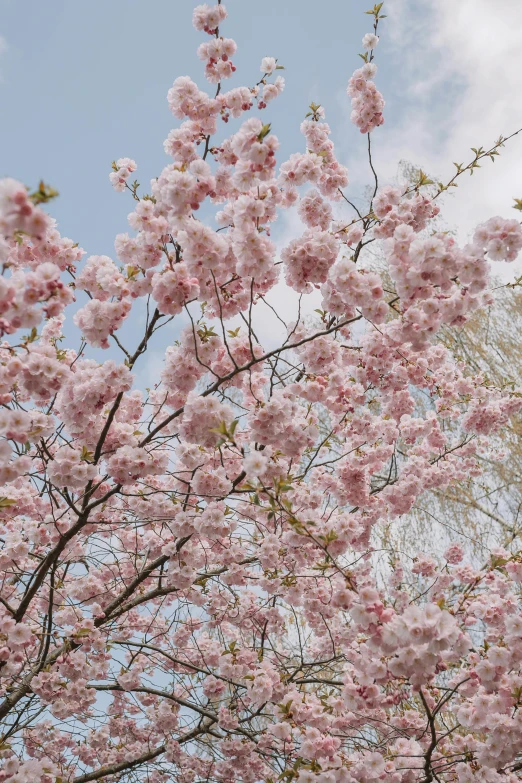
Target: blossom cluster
(123,168)
(367,101)
(190,587)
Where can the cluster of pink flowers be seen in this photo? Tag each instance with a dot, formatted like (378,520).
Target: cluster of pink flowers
(29,239)
(319,165)
(18,214)
(123,168)
(129,463)
(98,320)
(102,279)
(308,259)
(202,418)
(142,251)
(178,192)
(271,90)
(485,417)
(42,372)
(20,294)
(173,288)
(69,470)
(394,210)
(208,17)
(350,287)
(40,770)
(282,423)
(254,151)
(314,211)
(217,57)
(87,390)
(500,238)
(437,281)
(187,100)
(367,101)
(333,174)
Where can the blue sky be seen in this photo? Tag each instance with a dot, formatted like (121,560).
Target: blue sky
(86,83)
(83,83)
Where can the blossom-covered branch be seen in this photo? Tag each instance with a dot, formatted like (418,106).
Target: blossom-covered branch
(190,587)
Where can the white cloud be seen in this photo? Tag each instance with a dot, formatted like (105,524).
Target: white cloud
(460,64)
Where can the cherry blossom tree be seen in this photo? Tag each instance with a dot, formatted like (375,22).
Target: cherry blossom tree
(190,586)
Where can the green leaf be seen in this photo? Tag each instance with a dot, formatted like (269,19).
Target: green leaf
(7,502)
(132,272)
(263,133)
(44,194)
(86,455)
(83,632)
(30,338)
(424,179)
(375,10)
(221,430)
(204,333)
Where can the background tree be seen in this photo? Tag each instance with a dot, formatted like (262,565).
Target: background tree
(483,511)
